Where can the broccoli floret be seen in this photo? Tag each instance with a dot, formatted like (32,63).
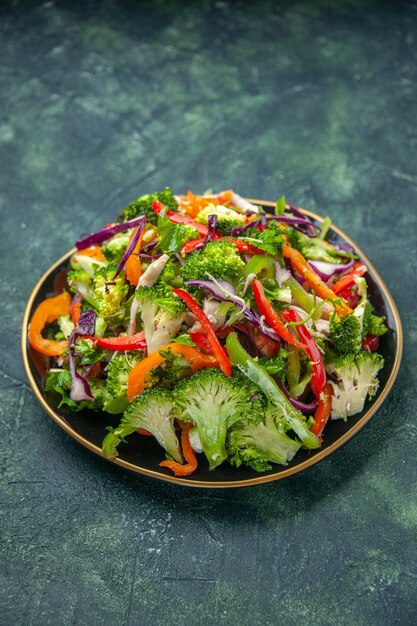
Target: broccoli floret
(109,294)
(226,218)
(162,314)
(314,248)
(259,443)
(218,258)
(170,275)
(143,206)
(118,371)
(114,248)
(357,379)
(152,410)
(173,236)
(80,283)
(345,334)
(213,403)
(373,324)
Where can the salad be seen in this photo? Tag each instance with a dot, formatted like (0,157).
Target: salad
(221,330)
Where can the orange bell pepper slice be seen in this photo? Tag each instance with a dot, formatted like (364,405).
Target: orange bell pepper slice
(133,267)
(94,252)
(191,465)
(300,265)
(48,312)
(137,377)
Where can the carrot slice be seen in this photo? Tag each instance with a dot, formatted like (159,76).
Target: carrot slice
(300,265)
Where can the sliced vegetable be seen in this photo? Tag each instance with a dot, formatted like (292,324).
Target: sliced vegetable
(191,462)
(318,378)
(323,411)
(48,312)
(122,342)
(359,269)
(176,218)
(266,309)
(301,266)
(218,350)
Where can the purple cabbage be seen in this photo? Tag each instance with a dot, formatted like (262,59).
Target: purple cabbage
(218,289)
(130,247)
(211,223)
(80,389)
(327,270)
(293,221)
(301,406)
(107,233)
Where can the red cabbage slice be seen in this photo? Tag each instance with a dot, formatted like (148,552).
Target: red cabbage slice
(107,233)
(80,389)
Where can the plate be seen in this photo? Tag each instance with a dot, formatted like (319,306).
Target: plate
(142,454)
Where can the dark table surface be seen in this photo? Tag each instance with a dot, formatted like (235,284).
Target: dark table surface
(101,102)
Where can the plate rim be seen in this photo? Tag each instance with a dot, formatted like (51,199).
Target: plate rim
(247,482)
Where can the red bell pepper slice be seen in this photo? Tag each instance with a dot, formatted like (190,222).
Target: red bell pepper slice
(271,316)
(132,342)
(318,378)
(217,348)
(359,269)
(201,341)
(323,410)
(176,218)
(370,343)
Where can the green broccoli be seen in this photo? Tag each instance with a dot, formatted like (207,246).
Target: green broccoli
(81,283)
(357,379)
(152,411)
(226,218)
(162,314)
(114,248)
(373,324)
(218,258)
(345,334)
(118,371)
(213,403)
(143,206)
(109,294)
(170,275)
(259,443)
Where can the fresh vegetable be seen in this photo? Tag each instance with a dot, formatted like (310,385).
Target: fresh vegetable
(356,377)
(47,312)
(204,315)
(217,349)
(151,411)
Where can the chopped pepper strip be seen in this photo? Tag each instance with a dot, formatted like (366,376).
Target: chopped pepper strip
(48,312)
(218,350)
(176,218)
(191,465)
(75,312)
(318,378)
(301,266)
(323,410)
(137,377)
(128,342)
(359,269)
(271,316)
